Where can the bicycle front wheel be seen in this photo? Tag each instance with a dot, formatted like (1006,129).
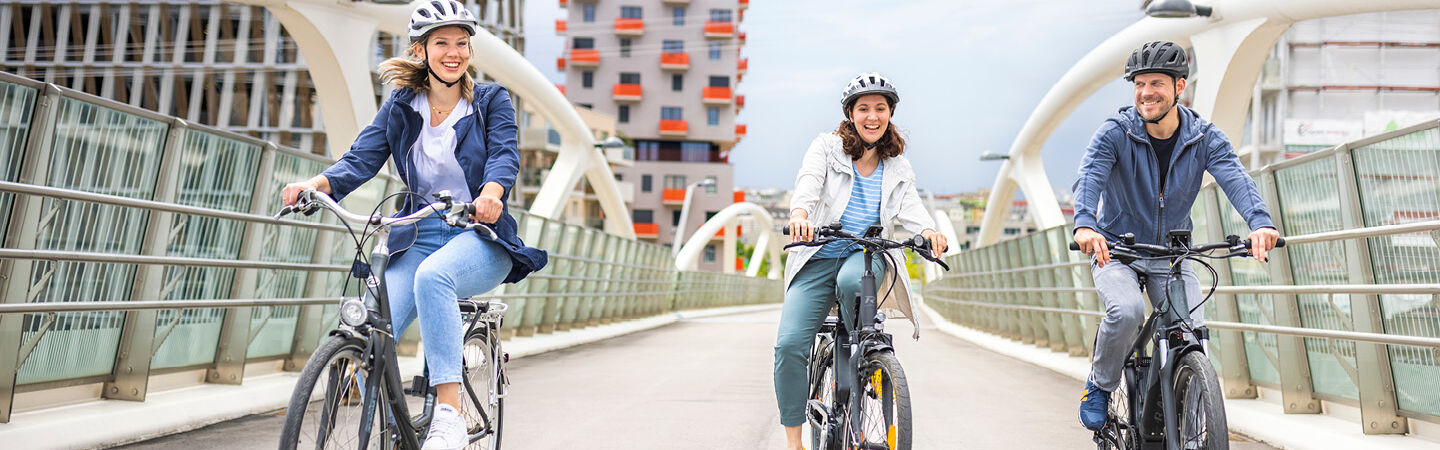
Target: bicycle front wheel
(885,403)
(328,407)
(481,404)
(1201,409)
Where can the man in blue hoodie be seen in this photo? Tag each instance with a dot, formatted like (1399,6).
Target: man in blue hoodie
(1145,166)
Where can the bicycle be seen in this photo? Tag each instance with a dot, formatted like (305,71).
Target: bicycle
(859,399)
(362,401)
(1189,404)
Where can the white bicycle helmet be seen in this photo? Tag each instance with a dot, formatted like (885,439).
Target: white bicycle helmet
(441,13)
(865,84)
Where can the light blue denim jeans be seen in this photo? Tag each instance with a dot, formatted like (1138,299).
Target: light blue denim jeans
(444,264)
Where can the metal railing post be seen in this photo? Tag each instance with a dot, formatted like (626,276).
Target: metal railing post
(308,325)
(234,342)
(136,348)
(1378,408)
(1048,253)
(550,311)
(1234,367)
(24,230)
(1297,390)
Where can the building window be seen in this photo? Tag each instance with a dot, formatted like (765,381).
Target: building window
(670,46)
(720,15)
(695,151)
(647,151)
(645,183)
(630,12)
(711,189)
(675,218)
(972,229)
(583,43)
(671,113)
(588,11)
(719,81)
(623,114)
(643,216)
(674,182)
(679,13)
(712,116)
(587,79)
(710,253)
(677,82)
(1012,231)
(629,78)
(585,105)
(710,214)
(624,47)
(714,50)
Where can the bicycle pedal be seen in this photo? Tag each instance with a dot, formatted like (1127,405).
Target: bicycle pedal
(506,357)
(418,387)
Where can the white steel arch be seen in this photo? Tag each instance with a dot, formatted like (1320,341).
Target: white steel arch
(1230,49)
(335,39)
(768,243)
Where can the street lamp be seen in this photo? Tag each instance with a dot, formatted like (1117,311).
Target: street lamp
(685,214)
(992,156)
(1176,9)
(611,142)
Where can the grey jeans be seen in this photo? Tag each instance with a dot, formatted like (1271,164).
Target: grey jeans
(1119,288)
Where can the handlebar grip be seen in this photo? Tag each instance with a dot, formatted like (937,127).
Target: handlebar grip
(1279,242)
(785,230)
(1074,246)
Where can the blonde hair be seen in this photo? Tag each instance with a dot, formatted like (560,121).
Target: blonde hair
(409,71)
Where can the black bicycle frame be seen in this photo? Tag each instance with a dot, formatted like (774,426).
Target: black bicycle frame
(847,362)
(1164,333)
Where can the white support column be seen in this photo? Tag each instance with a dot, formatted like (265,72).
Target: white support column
(688,258)
(729,251)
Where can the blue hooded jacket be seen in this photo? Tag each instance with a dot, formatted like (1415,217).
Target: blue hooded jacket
(1131,200)
(485,148)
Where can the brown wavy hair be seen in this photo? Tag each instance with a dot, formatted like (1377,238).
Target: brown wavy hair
(409,71)
(890,144)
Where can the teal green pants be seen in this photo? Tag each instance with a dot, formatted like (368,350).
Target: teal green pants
(807,301)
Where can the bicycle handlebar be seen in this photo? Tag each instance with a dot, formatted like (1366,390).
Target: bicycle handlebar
(834,232)
(1237,246)
(457,214)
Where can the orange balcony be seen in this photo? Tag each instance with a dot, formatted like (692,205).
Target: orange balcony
(675,61)
(560,25)
(585,57)
(739,264)
(647,230)
(739,130)
(739,232)
(674,128)
(561,87)
(564,3)
(741,37)
(672,197)
(626,92)
(719,30)
(742,65)
(744,4)
(629,27)
(739,195)
(716,95)
(739,103)
(560,64)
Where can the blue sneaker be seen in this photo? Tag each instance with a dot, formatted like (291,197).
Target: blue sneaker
(1094,406)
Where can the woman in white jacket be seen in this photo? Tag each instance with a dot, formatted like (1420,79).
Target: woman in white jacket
(856,176)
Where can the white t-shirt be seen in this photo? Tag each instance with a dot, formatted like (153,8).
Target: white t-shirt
(433,154)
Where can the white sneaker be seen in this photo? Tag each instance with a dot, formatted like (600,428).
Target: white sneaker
(447,430)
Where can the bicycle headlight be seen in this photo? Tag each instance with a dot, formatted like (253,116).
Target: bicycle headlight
(352,312)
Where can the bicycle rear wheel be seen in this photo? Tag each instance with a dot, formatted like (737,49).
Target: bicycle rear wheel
(1201,409)
(481,391)
(885,403)
(327,408)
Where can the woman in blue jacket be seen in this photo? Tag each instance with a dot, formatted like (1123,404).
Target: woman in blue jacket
(444,132)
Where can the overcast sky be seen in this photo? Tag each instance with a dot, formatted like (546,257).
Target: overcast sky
(969,73)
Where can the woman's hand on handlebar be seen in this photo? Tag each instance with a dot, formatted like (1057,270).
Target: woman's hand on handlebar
(800,228)
(291,192)
(1093,243)
(488,205)
(938,243)
(1263,240)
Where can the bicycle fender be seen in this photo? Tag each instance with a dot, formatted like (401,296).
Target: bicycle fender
(876,344)
(346,333)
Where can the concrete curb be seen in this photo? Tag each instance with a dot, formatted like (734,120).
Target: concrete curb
(104,423)
(1261,420)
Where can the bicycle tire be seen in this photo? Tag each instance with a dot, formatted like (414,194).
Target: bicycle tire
(822,389)
(476,355)
(1119,431)
(885,404)
(1199,404)
(340,362)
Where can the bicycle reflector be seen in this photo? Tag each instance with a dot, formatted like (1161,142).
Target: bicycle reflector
(352,312)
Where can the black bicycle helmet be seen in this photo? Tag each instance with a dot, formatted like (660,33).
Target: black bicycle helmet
(865,84)
(1158,56)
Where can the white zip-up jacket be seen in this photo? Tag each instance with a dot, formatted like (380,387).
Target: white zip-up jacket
(822,189)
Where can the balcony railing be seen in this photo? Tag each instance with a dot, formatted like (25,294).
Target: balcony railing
(739,132)
(744,4)
(672,197)
(675,61)
(629,27)
(560,64)
(739,103)
(742,65)
(719,30)
(560,26)
(716,95)
(674,127)
(584,57)
(626,92)
(647,230)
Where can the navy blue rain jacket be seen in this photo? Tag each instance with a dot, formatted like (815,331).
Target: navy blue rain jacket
(486,150)
(1120,169)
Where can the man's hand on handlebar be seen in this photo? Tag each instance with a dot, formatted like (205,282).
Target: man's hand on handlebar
(1263,240)
(1093,243)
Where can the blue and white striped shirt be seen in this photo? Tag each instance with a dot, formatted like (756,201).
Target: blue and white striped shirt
(862,212)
